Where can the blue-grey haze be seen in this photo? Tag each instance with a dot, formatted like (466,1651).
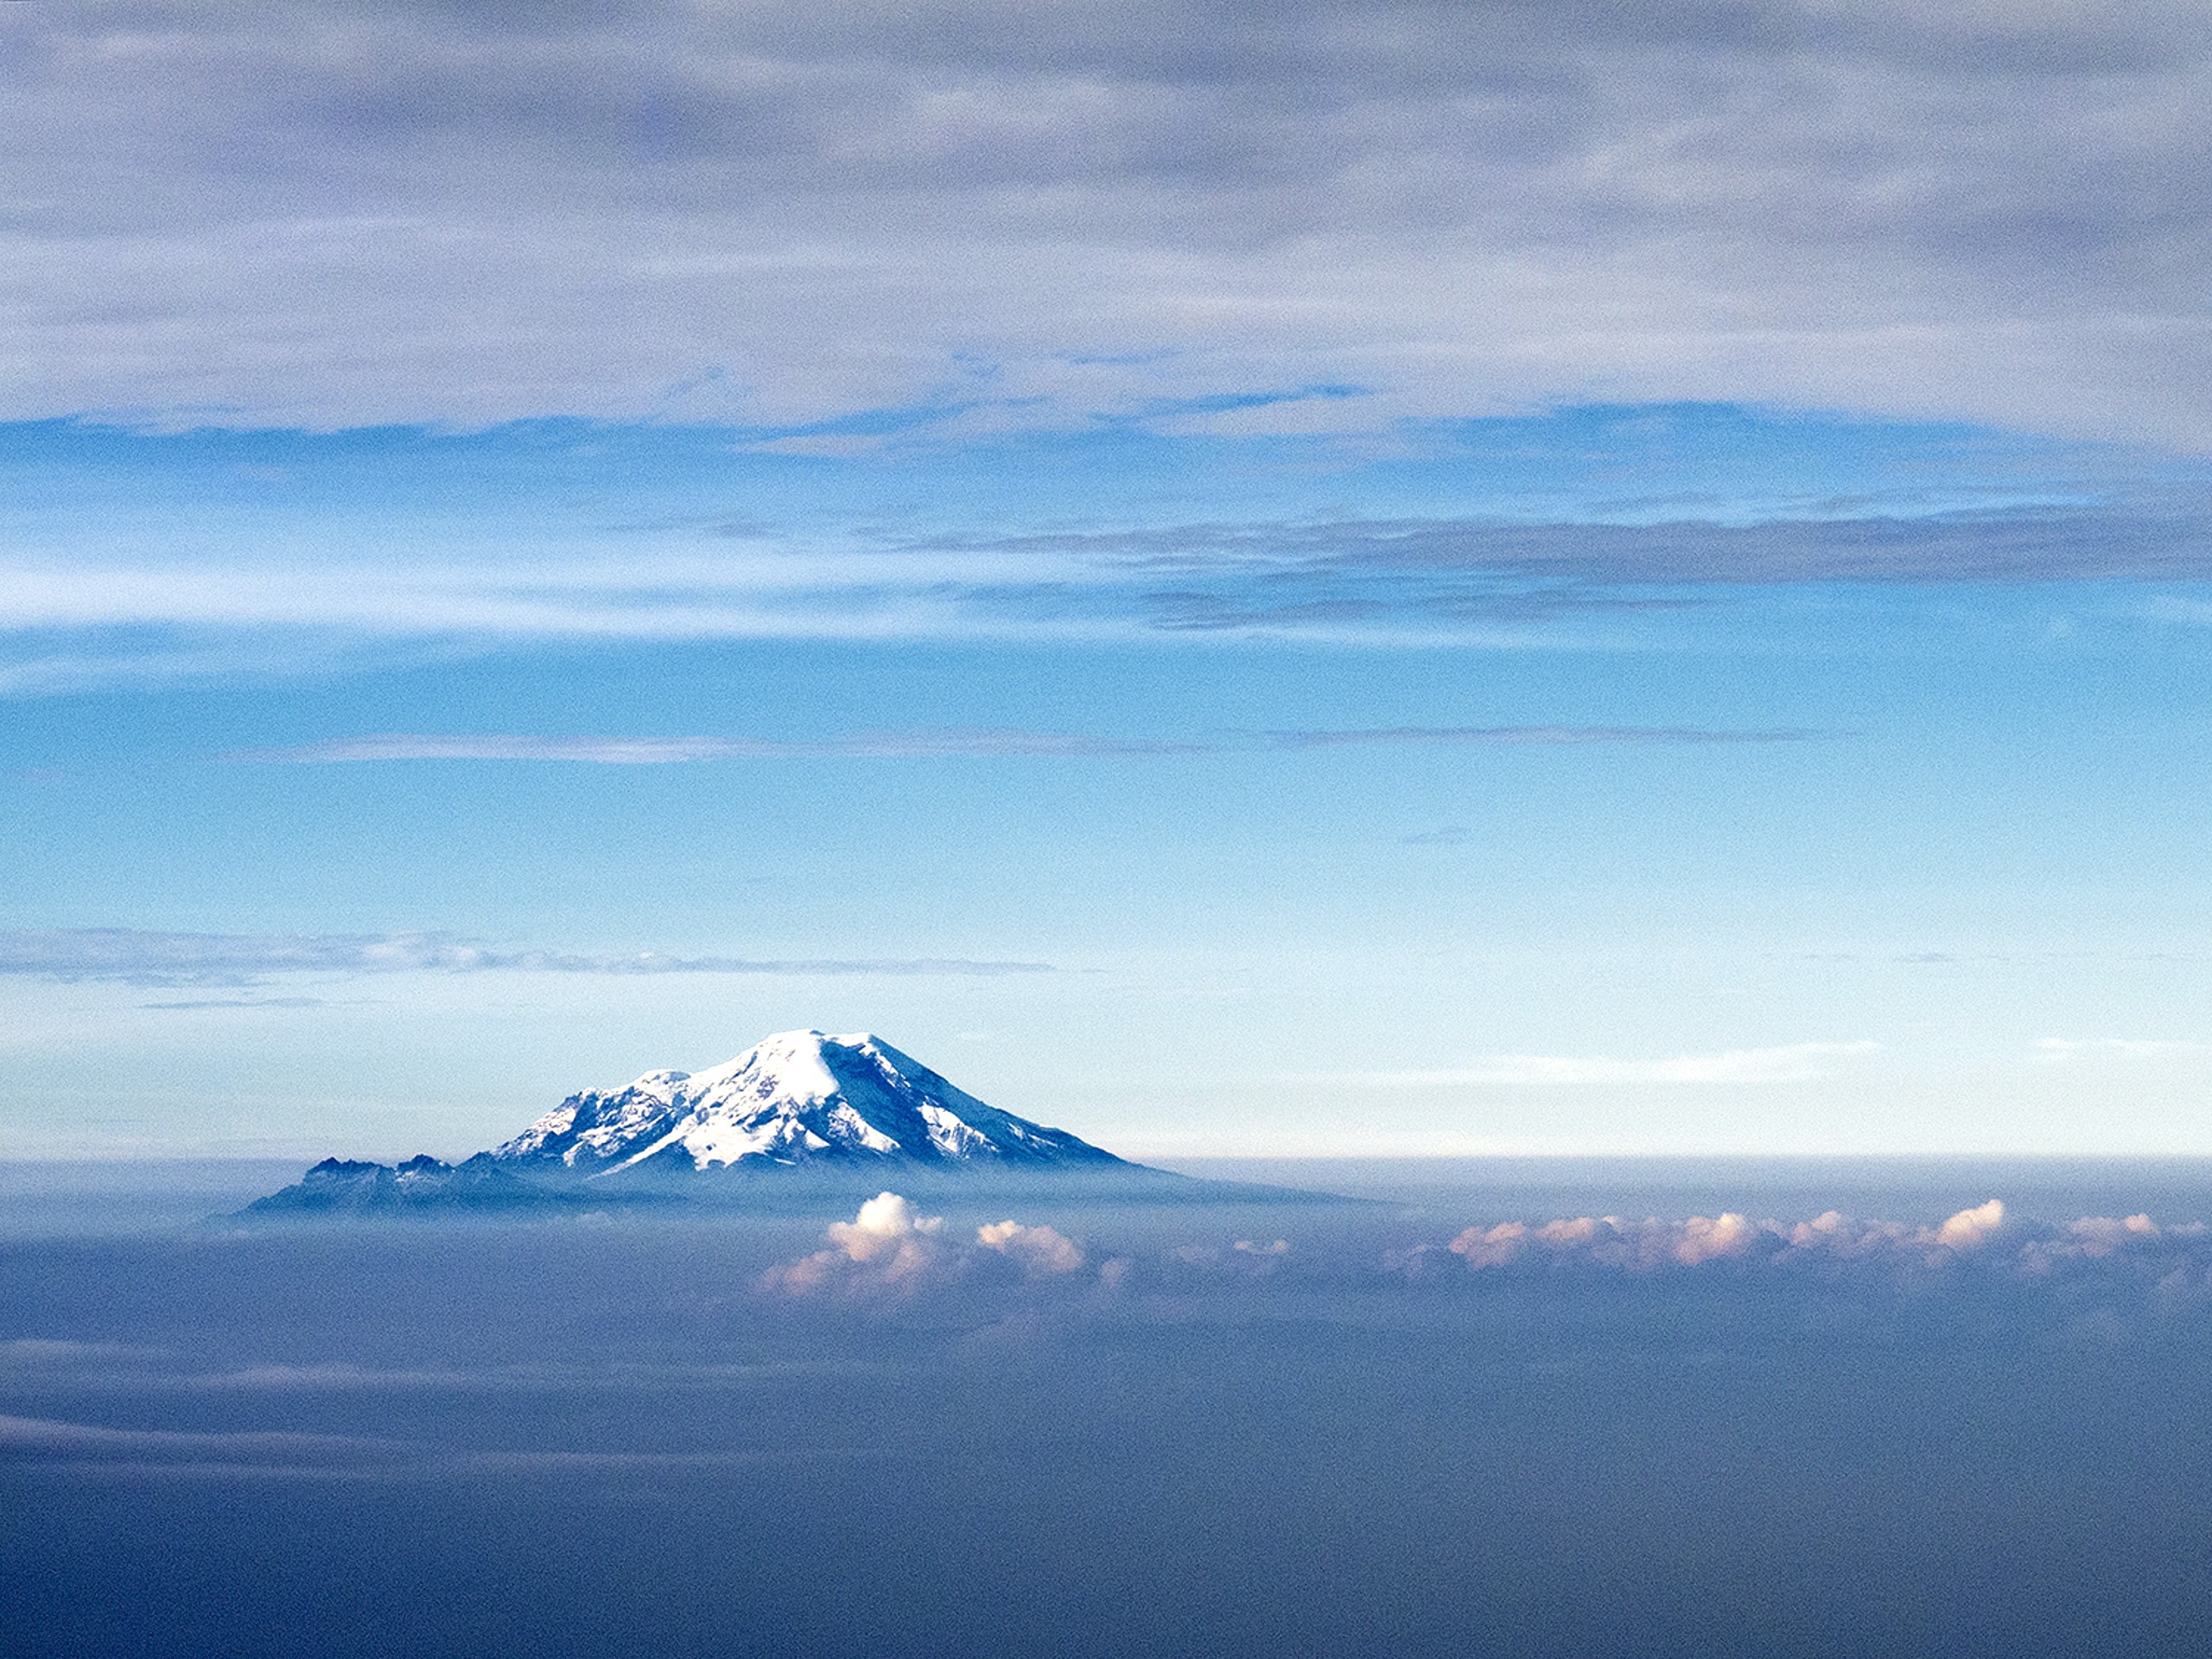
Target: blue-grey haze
(615,1438)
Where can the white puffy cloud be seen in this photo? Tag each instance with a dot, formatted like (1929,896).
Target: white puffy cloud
(886,1245)
(890,1246)
(1613,1240)
(1491,1247)
(886,1221)
(2102,1235)
(1708,1240)
(1970,1229)
(1040,1249)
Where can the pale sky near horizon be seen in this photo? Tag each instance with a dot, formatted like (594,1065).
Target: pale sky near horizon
(1325,579)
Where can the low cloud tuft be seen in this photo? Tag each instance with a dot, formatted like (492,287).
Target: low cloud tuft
(1038,1249)
(885,1246)
(1987,1234)
(889,1247)
(1970,1229)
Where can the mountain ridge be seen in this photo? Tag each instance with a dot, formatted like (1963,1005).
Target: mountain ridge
(797,1113)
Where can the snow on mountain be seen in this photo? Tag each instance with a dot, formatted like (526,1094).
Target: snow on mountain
(800,1097)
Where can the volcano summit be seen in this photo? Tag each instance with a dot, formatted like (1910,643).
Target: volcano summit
(797,1099)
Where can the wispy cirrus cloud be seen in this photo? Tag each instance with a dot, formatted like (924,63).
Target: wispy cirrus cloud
(979,743)
(671,751)
(1789,1063)
(1539,736)
(134,956)
(293,1455)
(34,1435)
(1578,529)
(93,615)
(193,1004)
(2062,1051)
(265,1452)
(1465,565)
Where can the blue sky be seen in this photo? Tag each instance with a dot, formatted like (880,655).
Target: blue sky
(1373,580)
(1426,859)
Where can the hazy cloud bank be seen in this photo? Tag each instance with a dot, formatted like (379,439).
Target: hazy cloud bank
(354,214)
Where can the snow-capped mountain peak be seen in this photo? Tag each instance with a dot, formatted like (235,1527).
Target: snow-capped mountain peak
(796,1098)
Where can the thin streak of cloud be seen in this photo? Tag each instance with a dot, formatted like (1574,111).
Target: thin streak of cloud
(35,1436)
(283,1454)
(129,955)
(974,744)
(2061,1051)
(1792,1063)
(1537,736)
(981,743)
(241,1002)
